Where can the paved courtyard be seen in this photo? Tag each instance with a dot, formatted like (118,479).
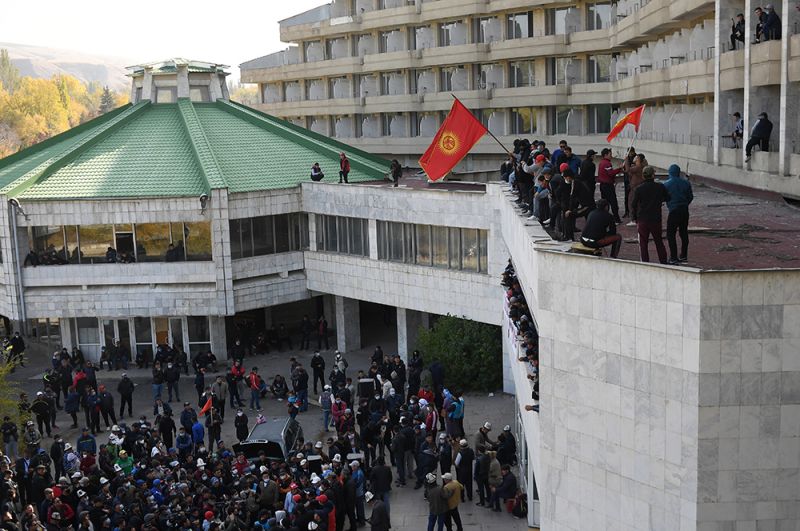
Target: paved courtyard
(408,508)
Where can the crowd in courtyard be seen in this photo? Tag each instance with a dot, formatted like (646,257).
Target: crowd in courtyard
(557,189)
(393,426)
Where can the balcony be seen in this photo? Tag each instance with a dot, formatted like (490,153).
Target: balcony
(765,63)
(731,70)
(117,274)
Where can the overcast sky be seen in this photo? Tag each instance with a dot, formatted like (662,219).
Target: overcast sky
(138,32)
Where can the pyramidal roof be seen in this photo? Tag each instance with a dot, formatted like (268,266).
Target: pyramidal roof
(177,149)
(170,66)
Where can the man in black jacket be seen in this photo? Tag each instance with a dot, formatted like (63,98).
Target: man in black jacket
(759,136)
(647,200)
(737,30)
(125,390)
(601,230)
(379,521)
(482,476)
(771,28)
(588,171)
(318,368)
(380,481)
(173,375)
(463,463)
(574,200)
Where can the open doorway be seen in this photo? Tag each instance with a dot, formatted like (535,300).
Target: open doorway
(378,326)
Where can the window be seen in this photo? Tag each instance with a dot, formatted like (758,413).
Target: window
(166,95)
(446,82)
(557,70)
(428,245)
(520,25)
(485,29)
(144,335)
(152,241)
(523,121)
(199,93)
(94,242)
(598,16)
(384,44)
(88,336)
(338,234)
(49,240)
(556,21)
(451,33)
(71,232)
(199,335)
(558,120)
(599,68)
(599,119)
(198,240)
(263,236)
(521,74)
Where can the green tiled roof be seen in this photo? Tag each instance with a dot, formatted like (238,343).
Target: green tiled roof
(182,149)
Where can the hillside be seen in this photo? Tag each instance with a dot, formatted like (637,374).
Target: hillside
(40,62)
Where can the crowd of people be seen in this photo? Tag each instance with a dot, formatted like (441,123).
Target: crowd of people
(391,426)
(524,329)
(557,189)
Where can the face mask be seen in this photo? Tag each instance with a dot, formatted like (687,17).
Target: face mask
(391,392)
(239,413)
(377,397)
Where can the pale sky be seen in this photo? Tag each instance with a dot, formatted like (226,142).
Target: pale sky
(140,32)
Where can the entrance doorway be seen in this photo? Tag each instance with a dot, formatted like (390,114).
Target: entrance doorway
(169,331)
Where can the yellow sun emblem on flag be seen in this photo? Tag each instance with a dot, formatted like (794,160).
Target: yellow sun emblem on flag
(449,143)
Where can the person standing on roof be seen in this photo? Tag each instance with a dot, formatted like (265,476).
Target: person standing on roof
(344,167)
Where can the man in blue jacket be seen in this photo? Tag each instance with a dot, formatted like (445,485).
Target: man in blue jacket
(680,193)
(198,432)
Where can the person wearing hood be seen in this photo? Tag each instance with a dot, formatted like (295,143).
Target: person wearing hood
(680,193)
(759,136)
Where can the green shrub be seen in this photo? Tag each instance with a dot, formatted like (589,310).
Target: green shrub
(471,352)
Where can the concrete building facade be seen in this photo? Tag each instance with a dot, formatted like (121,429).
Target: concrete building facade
(380,74)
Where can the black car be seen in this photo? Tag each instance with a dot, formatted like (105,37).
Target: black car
(275,437)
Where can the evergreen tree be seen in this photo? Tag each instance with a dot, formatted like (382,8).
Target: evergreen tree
(107,102)
(9,75)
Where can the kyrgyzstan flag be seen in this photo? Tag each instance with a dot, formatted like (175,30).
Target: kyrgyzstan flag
(207,407)
(634,117)
(459,132)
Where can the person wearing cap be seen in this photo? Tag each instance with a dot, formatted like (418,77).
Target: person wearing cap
(646,212)
(463,462)
(601,230)
(437,503)
(680,197)
(86,442)
(482,438)
(125,462)
(759,136)
(771,27)
(360,482)
(453,491)
(40,407)
(379,519)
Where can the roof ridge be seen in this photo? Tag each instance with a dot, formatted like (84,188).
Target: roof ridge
(60,160)
(364,160)
(201,146)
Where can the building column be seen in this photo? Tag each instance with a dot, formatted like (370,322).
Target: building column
(716,141)
(372,229)
(348,324)
(219,340)
(785,132)
(748,23)
(183,81)
(67,341)
(147,84)
(312,230)
(408,325)
(267,318)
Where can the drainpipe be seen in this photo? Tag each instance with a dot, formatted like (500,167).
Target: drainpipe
(15,207)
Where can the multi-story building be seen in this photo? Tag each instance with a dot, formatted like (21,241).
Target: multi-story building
(669,396)
(380,74)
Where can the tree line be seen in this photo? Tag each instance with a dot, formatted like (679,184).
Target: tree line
(34,109)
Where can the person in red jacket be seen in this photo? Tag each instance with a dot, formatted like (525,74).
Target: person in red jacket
(605,176)
(236,375)
(344,167)
(254,383)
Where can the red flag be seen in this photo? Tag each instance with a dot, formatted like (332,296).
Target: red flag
(459,132)
(634,117)
(206,407)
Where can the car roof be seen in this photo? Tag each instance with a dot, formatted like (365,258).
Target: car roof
(271,430)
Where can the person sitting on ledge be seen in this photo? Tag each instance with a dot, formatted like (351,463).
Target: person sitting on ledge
(601,230)
(316,172)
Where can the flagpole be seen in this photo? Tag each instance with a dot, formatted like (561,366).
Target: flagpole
(487,129)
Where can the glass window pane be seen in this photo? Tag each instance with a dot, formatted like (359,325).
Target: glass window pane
(381,226)
(282,233)
(484,254)
(176,229)
(47,238)
(423,244)
(455,248)
(341,228)
(439,245)
(198,329)
(152,242)
(356,236)
(263,242)
(409,242)
(198,240)
(88,331)
(395,241)
(72,244)
(246,232)
(141,327)
(319,220)
(331,234)
(95,241)
(236,238)
(304,232)
(469,249)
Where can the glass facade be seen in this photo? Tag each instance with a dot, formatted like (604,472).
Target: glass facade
(435,246)
(140,242)
(268,235)
(338,234)
(520,25)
